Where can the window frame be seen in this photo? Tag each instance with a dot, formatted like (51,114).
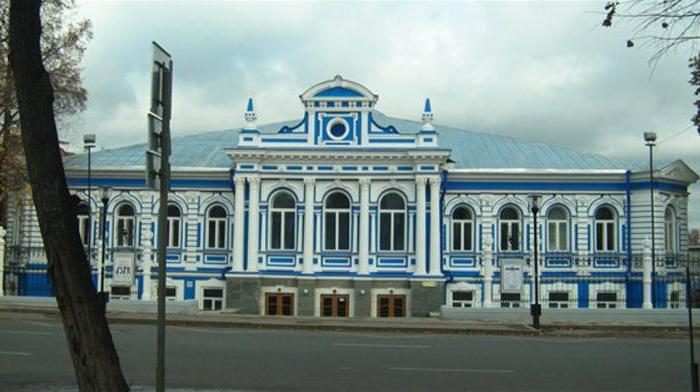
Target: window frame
(336,212)
(392,224)
(169,232)
(558,224)
(606,225)
(83,223)
(510,223)
(670,237)
(124,220)
(283,211)
(220,228)
(462,223)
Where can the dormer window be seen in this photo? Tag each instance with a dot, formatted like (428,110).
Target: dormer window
(337,129)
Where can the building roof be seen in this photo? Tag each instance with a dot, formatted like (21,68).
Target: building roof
(470,150)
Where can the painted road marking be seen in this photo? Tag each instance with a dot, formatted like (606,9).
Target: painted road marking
(31,322)
(405,369)
(26,332)
(371,345)
(14,353)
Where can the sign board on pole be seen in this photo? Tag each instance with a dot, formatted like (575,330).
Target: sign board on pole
(512,275)
(123,269)
(159,116)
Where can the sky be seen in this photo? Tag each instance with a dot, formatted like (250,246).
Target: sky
(541,71)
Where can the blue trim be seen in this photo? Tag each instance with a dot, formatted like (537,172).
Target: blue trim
(287,129)
(141,183)
(570,186)
(375,140)
(282,140)
(388,129)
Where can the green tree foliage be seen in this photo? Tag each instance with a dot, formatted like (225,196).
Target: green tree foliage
(63,42)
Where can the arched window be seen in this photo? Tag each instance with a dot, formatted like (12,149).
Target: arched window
(462,229)
(83,226)
(670,230)
(392,223)
(337,222)
(510,229)
(558,229)
(216,228)
(173,227)
(282,222)
(126,221)
(605,230)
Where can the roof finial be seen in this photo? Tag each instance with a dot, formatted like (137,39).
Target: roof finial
(427,116)
(250,115)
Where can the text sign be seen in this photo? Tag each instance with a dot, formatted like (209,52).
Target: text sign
(123,269)
(512,276)
(159,117)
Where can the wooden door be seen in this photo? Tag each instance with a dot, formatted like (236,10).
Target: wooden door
(334,305)
(391,306)
(279,304)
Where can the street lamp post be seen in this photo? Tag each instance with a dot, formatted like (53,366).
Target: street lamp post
(106,193)
(89,143)
(650,141)
(536,308)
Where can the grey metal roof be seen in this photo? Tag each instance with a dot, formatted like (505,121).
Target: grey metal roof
(470,150)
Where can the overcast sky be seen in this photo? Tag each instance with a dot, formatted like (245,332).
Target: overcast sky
(541,71)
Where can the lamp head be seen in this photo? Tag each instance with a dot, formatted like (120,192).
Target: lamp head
(650,138)
(535,201)
(106,193)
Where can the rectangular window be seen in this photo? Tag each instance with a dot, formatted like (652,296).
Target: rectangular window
(385,231)
(289,232)
(276,228)
(510,300)
(172,232)
(462,299)
(83,228)
(211,242)
(171,293)
(120,292)
(610,230)
(398,231)
(221,234)
(125,232)
(467,237)
(675,299)
(457,236)
(344,231)
(510,236)
(212,299)
(606,300)
(330,231)
(558,299)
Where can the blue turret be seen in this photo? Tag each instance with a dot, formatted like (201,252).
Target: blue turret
(427,116)
(250,116)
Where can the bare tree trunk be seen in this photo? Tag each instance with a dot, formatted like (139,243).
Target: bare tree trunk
(90,343)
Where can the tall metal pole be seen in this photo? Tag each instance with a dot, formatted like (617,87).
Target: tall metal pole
(164,177)
(103,295)
(653,225)
(689,305)
(536,309)
(89,206)
(650,140)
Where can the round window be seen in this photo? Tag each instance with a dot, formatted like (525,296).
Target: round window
(337,129)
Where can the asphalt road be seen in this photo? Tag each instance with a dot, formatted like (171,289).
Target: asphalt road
(33,357)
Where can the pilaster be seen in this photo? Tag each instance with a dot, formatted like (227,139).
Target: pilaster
(253,222)
(238,229)
(364,227)
(420,226)
(309,184)
(435,251)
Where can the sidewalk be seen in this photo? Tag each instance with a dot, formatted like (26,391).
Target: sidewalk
(178,315)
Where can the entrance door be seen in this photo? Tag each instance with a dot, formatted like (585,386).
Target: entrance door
(391,306)
(279,304)
(333,305)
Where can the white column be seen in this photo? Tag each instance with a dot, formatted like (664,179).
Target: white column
(435,252)
(364,227)
(646,274)
(147,263)
(487,270)
(308,267)
(2,260)
(238,229)
(420,226)
(253,222)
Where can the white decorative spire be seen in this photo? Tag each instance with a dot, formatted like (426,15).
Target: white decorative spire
(250,115)
(427,116)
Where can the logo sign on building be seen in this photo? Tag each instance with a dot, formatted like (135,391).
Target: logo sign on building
(512,276)
(123,269)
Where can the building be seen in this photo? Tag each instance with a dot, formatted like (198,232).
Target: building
(348,212)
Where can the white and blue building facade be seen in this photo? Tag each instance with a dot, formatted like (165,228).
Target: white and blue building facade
(348,212)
